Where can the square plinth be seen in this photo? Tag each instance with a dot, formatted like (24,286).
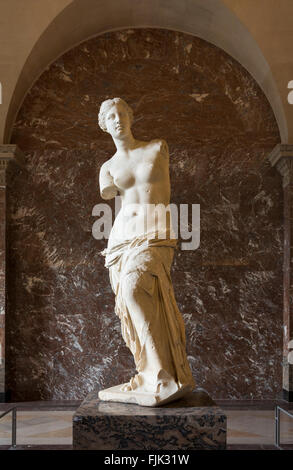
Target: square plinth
(194,422)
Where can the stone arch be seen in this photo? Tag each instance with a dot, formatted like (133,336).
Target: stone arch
(208,19)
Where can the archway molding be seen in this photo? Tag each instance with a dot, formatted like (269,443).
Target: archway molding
(210,20)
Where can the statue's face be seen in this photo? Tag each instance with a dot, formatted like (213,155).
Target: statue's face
(117,121)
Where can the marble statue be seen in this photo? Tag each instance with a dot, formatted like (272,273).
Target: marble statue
(139,255)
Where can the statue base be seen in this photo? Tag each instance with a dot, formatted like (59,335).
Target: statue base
(140,398)
(193,422)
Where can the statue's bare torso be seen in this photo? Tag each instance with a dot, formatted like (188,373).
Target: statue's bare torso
(141,178)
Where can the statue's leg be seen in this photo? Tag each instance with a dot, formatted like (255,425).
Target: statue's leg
(152,352)
(150,329)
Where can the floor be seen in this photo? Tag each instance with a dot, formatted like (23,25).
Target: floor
(48,425)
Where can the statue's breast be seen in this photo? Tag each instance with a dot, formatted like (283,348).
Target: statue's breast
(145,166)
(124,179)
(151,167)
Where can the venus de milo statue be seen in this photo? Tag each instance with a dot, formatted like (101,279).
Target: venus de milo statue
(139,256)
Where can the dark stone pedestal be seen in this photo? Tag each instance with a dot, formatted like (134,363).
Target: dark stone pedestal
(194,422)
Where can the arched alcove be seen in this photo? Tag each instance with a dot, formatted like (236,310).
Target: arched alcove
(208,19)
(63,338)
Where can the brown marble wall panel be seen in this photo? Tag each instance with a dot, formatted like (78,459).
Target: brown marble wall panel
(63,336)
(2,248)
(2,288)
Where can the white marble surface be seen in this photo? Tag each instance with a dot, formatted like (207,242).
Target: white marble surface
(139,255)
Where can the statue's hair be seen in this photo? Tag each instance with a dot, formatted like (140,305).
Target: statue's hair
(106,105)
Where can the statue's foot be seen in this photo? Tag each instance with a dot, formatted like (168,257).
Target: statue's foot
(156,384)
(134,383)
(139,396)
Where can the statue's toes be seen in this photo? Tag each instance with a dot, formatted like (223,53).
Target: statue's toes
(126,388)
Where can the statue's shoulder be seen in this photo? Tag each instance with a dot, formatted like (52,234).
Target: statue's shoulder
(162,146)
(107,164)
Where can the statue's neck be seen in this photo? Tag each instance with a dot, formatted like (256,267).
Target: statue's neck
(125,144)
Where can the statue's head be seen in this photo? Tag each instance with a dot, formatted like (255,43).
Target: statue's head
(110,108)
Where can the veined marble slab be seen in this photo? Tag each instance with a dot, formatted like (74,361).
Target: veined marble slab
(193,422)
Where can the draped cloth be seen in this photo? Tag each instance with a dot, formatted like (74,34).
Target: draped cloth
(143,264)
